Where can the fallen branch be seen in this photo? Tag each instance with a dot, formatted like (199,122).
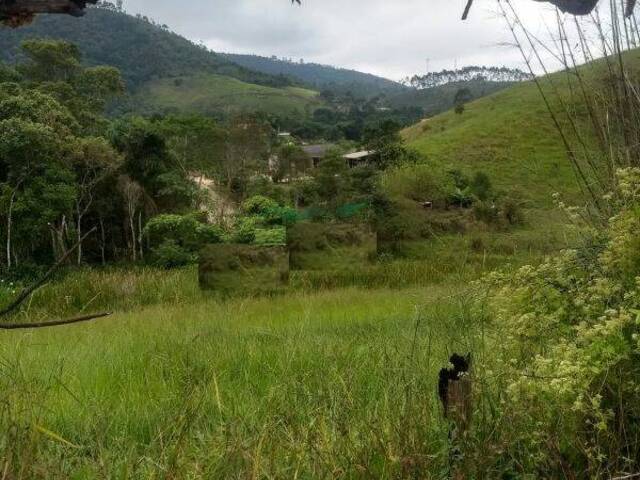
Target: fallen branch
(53,323)
(29,290)
(627,477)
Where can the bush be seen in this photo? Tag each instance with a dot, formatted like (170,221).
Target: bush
(186,232)
(462,198)
(486,212)
(245,229)
(512,212)
(567,352)
(419,184)
(270,236)
(170,255)
(481,186)
(258,205)
(505,212)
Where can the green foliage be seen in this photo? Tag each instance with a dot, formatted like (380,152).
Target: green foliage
(186,231)
(50,61)
(170,255)
(463,95)
(197,142)
(481,186)
(388,145)
(259,205)
(570,362)
(38,108)
(270,236)
(245,229)
(142,50)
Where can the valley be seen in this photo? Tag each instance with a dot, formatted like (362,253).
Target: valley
(270,266)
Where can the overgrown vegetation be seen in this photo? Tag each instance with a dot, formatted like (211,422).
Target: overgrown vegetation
(330,370)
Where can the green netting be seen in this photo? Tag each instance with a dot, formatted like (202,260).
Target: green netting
(350,210)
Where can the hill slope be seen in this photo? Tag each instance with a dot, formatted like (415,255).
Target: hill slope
(319,76)
(218,95)
(508,135)
(141,50)
(164,71)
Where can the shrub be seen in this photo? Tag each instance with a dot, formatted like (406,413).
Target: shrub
(462,198)
(568,354)
(487,212)
(185,232)
(258,205)
(481,186)
(270,236)
(245,229)
(512,211)
(170,255)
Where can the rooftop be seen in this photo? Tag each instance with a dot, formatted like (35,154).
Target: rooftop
(316,151)
(359,155)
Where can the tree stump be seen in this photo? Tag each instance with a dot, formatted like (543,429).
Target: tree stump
(455,391)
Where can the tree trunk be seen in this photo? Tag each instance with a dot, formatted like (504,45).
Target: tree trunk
(140,235)
(79,235)
(134,246)
(102,243)
(9,225)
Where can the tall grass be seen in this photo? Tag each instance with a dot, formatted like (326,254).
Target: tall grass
(447,259)
(334,384)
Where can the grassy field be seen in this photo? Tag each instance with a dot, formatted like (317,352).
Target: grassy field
(335,379)
(340,383)
(214,94)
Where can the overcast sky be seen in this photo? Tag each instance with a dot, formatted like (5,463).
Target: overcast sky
(391,38)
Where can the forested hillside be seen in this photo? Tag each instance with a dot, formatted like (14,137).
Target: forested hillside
(140,49)
(321,77)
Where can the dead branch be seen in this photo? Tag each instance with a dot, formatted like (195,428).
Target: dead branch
(53,323)
(467,9)
(29,290)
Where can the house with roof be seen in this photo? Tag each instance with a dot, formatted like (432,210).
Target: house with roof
(356,159)
(317,152)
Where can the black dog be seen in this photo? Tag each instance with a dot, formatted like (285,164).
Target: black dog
(460,365)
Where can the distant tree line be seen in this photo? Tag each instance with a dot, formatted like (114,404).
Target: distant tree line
(467,74)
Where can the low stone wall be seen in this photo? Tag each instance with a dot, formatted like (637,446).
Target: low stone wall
(243,269)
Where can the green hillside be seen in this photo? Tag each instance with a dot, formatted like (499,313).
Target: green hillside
(164,72)
(215,94)
(509,136)
(322,77)
(141,49)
